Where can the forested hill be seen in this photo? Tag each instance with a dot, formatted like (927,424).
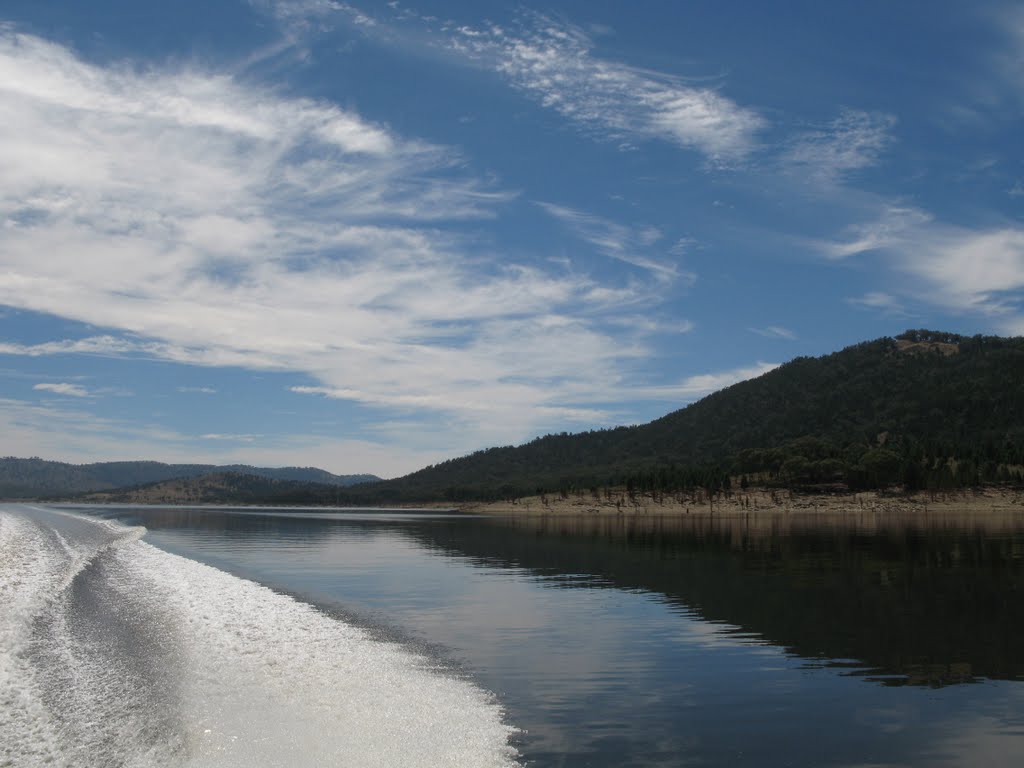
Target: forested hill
(926,409)
(222,488)
(37,477)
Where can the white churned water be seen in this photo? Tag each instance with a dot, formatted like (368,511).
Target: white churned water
(115,653)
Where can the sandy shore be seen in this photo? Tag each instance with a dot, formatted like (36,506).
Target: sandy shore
(759,501)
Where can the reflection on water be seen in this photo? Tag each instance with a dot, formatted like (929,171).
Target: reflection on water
(769,640)
(912,600)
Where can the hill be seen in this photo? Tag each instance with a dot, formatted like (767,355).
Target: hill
(925,409)
(34,477)
(221,488)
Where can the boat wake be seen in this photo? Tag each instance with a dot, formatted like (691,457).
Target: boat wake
(115,653)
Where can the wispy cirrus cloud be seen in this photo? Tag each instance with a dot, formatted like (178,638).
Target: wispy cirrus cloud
(774,332)
(628,244)
(958,268)
(576,414)
(554,63)
(63,388)
(198,390)
(695,387)
(892,227)
(853,141)
(210,221)
(878,301)
(231,438)
(134,347)
(92,345)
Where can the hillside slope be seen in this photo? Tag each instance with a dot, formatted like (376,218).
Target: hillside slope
(221,488)
(866,415)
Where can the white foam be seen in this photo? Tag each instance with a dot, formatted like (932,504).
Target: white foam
(228,673)
(27,730)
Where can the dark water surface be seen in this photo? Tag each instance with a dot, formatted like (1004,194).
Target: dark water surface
(769,641)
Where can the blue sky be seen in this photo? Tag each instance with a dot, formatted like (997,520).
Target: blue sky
(370,236)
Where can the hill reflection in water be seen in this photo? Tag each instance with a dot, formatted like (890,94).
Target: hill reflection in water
(898,599)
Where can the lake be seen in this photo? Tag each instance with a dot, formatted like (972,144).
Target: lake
(774,640)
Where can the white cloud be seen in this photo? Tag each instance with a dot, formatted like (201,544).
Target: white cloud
(958,268)
(775,332)
(889,230)
(646,324)
(698,386)
(230,438)
(978,270)
(208,221)
(93,345)
(198,390)
(479,405)
(554,63)
(877,300)
(620,242)
(853,141)
(289,10)
(63,388)
(705,384)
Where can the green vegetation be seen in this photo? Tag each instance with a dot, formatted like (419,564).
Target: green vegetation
(224,488)
(926,410)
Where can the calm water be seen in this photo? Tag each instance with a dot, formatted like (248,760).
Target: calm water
(777,641)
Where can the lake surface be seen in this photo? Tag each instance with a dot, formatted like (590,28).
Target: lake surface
(765,641)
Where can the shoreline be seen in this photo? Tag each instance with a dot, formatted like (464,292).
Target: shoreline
(617,503)
(759,501)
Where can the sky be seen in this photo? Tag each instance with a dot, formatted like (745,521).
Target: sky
(371,236)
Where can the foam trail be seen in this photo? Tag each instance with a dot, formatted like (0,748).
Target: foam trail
(115,653)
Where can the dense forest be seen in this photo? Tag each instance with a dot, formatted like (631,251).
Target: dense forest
(924,410)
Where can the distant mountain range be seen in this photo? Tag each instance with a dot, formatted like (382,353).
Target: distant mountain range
(222,488)
(34,477)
